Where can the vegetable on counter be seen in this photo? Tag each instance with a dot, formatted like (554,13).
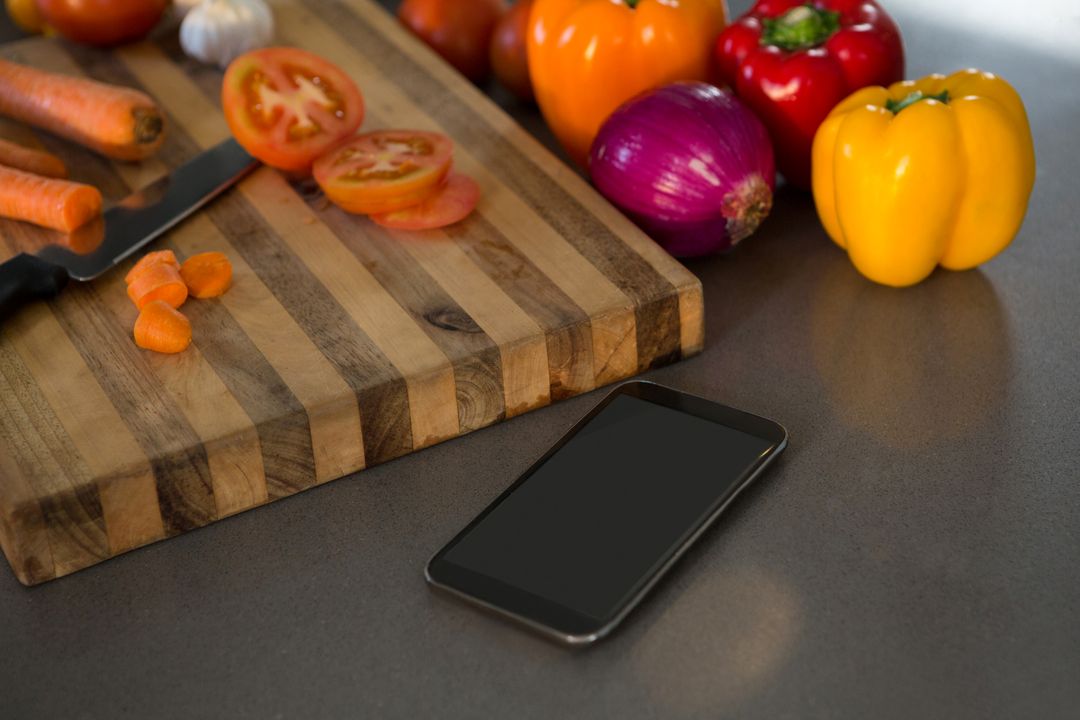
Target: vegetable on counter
(458,30)
(168,257)
(158,281)
(219,31)
(792,61)
(102,22)
(158,284)
(31,160)
(50,202)
(288,106)
(509,59)
(296,112)
(116,121)
(26,15)
(450,203)
(207,274)
(587,57)
(385,170)
(930,172)
(162,328)
(690,164)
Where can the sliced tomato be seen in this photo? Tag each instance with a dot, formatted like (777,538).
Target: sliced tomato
(449,204)
(287,106)
(385,170)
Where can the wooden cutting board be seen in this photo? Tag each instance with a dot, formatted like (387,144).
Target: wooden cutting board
(340,345)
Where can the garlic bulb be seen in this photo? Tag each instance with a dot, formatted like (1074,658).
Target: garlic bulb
(216,31)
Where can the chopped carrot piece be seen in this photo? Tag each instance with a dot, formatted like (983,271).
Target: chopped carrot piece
(151,258)
(207,274)
(49,202)
(162,328)
(160,281)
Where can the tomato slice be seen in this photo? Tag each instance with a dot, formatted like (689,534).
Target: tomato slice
(449,204)
(287,106)
(383,171)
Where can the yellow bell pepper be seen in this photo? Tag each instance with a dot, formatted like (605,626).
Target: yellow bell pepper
(928,172)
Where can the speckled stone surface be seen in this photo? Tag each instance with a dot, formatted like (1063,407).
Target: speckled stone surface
(915,553)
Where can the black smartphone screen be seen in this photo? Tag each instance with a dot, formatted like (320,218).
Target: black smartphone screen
(598,517)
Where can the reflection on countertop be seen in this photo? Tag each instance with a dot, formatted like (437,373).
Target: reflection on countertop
(915,367)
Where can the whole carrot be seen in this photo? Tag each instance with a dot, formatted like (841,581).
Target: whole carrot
(116,121)
(59,204)
(34,161)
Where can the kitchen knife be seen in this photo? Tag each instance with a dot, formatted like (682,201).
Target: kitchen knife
(128,225)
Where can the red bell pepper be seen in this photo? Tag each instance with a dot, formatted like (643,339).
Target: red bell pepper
(792,61)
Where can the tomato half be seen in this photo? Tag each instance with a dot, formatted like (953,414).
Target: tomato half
(449,204)
(102,22)
(385,170)
(287,106)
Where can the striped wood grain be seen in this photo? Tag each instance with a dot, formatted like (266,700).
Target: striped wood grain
(341,344)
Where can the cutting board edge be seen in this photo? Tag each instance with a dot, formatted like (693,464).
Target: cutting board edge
(19,543)
(29,579)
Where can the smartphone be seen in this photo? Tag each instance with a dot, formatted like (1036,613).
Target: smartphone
(572,546)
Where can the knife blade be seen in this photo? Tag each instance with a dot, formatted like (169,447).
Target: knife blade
(128,226)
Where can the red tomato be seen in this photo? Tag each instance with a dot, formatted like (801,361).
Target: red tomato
(287,106)
(102,22)
(451,203)
(459,30)
(385,170)
(508,50)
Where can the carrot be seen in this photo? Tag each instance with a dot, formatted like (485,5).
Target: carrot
(162,328)
(207,274)
(160,281)
(151,258)
(116,121)
(57,204)
(34,161)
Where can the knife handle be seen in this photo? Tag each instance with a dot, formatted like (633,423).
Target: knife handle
(25,278)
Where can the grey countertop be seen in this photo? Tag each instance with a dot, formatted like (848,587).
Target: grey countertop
(915,553)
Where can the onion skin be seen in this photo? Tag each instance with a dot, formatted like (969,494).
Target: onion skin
(690,164)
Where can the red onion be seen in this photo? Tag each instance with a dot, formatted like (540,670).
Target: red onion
(690,164)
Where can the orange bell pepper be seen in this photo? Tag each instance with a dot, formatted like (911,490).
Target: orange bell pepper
(588,57)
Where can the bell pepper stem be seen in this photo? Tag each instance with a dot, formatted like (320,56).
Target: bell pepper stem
(800,28)
(631,3)
(895,106)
